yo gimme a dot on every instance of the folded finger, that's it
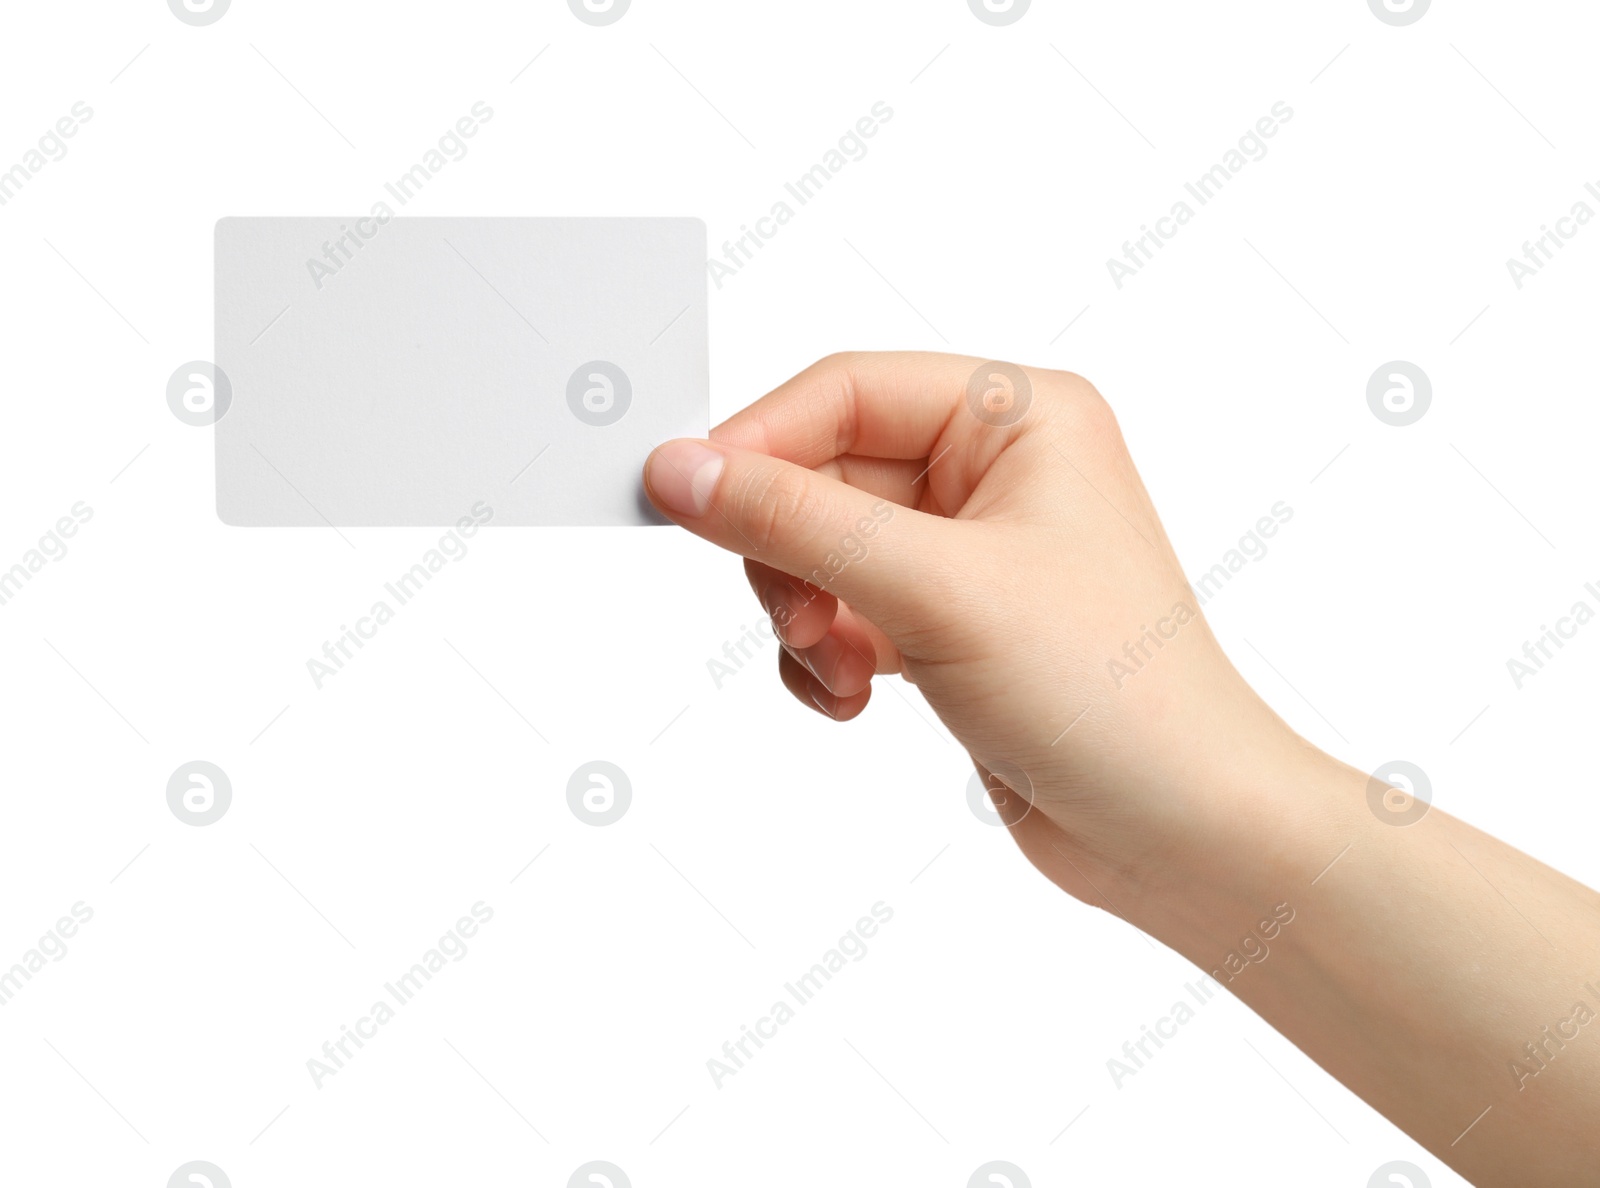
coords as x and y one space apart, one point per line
808 690
882 405
800 612
843 660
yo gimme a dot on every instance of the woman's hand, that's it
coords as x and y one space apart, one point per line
981 531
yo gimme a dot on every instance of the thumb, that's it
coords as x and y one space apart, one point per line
876 555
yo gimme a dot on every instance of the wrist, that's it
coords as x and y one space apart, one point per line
1247 846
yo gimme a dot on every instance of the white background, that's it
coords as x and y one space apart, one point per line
369 815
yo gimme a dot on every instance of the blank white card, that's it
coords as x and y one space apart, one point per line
404 372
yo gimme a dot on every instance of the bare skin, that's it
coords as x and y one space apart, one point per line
1007 561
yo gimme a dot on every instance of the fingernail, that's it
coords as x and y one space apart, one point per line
682 474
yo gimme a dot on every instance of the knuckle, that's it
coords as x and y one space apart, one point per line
780 508
839 368
1085 411
1073 390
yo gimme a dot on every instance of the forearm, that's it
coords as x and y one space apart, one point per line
1419 965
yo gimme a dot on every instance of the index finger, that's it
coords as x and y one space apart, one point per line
879 404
